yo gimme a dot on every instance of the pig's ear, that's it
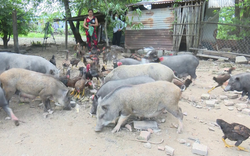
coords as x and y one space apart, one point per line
52 72
99 99
105 107
237 78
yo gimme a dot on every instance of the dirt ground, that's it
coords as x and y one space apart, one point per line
72 133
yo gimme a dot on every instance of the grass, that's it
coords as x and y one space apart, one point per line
33 35
39 35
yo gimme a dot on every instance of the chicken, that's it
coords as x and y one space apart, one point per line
53 60
222 79
68 82
80 86
74 61
91 71
104 71
180 84
65 79
234 132
79 50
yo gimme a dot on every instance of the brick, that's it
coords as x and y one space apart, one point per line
144 135
205 96
240 59
161 148
145 125
169 150
223 97
210 103
246 111
228 103
199 149
241 106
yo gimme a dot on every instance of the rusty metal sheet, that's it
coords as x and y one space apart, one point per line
220 3
161 18
157 2
158 38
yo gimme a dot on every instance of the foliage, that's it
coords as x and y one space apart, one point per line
36 44
236 28
6 24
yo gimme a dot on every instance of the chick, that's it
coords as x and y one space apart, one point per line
234 132
222 79
53 60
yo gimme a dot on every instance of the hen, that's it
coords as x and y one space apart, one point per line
222 79
74 61
234 132
80 87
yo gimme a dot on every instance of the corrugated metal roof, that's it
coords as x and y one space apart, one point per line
161 18
220 3
157 2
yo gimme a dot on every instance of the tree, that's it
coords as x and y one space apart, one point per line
80 7
23 19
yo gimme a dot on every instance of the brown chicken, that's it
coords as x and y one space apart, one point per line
234 132
222 79
69 82
80 87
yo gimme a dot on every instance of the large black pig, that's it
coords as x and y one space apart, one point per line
240 82
182 65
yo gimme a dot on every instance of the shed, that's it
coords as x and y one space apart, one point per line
168 25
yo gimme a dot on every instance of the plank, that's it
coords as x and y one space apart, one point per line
212 56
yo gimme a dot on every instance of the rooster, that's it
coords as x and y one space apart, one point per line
234 132
222 78
53 60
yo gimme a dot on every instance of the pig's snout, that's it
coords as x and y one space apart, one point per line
98 128
228 88
93 110
16 122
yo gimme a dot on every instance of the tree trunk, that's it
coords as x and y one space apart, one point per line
15 33
237 16
105 26
76 33
5 41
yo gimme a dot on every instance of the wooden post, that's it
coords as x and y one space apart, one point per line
66 34
15 33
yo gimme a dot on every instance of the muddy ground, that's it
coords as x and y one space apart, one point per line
72 133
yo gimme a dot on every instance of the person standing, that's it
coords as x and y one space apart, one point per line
90 23
117 30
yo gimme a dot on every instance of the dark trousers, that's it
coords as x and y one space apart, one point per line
117 38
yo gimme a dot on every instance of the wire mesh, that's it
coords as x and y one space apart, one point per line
225 37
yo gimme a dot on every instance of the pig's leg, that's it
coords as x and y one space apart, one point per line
243 94
177 112
9 91
9 111
47 105
248 99
121 120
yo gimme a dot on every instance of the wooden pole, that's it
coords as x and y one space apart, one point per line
66 34
15 33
